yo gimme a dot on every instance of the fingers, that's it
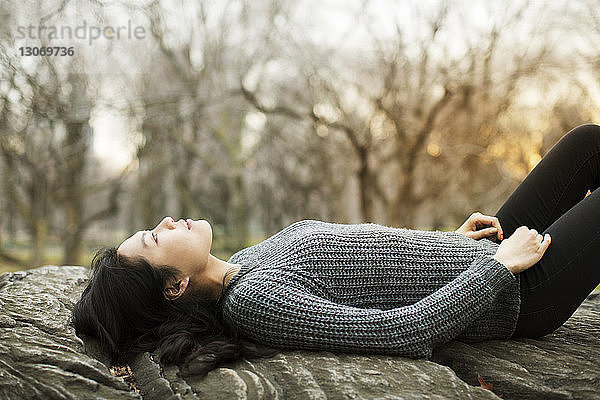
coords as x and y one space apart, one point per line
488 220
539 237
544 242
483 233
496 223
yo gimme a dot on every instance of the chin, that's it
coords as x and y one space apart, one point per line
206 231
206 225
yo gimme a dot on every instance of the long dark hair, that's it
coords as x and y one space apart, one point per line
124 307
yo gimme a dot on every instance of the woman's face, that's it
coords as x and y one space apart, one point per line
184 244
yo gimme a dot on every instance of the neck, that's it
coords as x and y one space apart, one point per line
211 278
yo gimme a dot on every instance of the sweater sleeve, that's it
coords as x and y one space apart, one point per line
285 315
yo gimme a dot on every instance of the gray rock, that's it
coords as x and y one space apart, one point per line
41 357
562 365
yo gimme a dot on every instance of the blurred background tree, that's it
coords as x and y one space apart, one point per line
255 114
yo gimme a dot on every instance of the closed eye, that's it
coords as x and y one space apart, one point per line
155 237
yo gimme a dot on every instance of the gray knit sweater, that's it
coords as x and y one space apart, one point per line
369 288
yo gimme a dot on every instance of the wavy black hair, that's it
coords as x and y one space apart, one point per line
124 307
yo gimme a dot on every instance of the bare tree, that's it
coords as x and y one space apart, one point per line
45 148
404 99
195 115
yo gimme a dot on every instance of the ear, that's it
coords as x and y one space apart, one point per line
176 288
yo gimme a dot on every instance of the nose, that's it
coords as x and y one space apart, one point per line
167 222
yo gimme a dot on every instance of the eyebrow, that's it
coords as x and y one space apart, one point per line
142 239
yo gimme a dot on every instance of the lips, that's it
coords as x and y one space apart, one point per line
189 224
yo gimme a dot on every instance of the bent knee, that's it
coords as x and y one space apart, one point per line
587 134
582 138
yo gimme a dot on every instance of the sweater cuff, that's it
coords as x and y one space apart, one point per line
494 274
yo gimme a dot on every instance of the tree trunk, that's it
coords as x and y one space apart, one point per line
40 233
364 182
239 210
73 205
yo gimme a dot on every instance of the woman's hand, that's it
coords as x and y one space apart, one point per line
480 226
522 249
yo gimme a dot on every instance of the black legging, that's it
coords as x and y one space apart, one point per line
551 199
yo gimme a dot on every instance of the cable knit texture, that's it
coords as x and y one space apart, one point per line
369 288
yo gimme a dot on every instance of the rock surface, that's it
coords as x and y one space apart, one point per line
41 357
